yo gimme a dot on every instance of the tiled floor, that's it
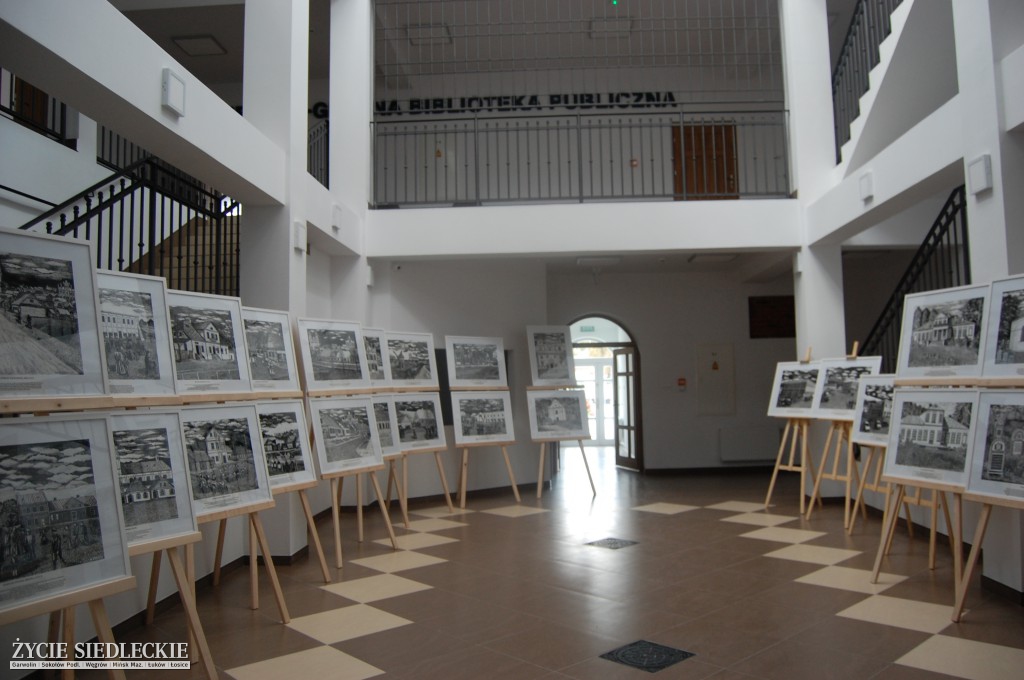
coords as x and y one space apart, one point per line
513 591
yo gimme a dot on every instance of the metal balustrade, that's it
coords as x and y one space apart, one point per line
33 108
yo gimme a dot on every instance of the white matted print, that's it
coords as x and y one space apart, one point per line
156 497
60 522
268 341
931 436
419 421
482 417
333 356
377 367
227 467
558 415
209 343
1004 341
550 355
345 435
793 389
286 442
387 424
136 333
873 412
49 320
943 332
997 466
836 395
411 356
475 362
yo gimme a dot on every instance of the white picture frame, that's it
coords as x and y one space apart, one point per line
873 413
412 360
1004 341
49 311
387 424
333 354
227 466
155 493
345 435
59 513
558 415
420 425
997 466
482 417
285 437
835 395
378 369
136 331
793 389
929 440
475 361
551 361
943 333
208 343
271 352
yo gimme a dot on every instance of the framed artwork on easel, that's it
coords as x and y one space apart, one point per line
411 359
49 317
333 355
931 436
209 343
286 442
268 341
835 395
482 417
419 421
136 333
345 435
997 466
60 521
387 423
793 389
475 362
943 333
551 361
378 367
558 415
1004 341
873 412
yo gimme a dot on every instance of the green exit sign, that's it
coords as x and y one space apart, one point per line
586 329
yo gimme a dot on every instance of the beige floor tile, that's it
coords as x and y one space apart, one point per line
398 561
319 662
515 511
760 519
375 588
856 580
736 506
665 508
417 541
815 554
346 623
965 659
434 524
894 611
783 535
441 512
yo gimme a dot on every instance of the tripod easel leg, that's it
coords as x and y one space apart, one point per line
103 631
268 562
188 602
892 512
219 553
583 452
464 478
444 481
254 572
972 559
778 464
511 477
540 468
359 506
384 510
154 581
336 516
313 535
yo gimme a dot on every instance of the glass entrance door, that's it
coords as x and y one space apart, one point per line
594 375
628 443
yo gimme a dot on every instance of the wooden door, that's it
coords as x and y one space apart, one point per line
31 104
628 434
704 162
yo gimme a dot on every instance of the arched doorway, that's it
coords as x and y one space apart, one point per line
608 368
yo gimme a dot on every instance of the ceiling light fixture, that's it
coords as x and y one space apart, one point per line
199 45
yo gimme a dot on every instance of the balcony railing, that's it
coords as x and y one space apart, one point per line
663 156
33 108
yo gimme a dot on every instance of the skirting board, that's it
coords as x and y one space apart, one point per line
753 443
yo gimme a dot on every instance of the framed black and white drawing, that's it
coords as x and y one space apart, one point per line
136 333
379 370
475 362
156 497
209 343
411 357
1004 341
931 436
268 341
227 466
333 354
387 424
286 442
49 318
420 426
835 395
482 417
551 360
997 466
558 414
942 333
793 389
873 412
61 526
345 435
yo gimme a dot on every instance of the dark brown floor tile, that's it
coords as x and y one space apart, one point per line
897 672
885 643
810 598
553 646
472 664
687 669
791 660
717 645
400 648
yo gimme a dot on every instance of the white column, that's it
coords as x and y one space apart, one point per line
351 103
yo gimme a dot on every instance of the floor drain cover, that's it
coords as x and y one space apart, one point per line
647 656
612 543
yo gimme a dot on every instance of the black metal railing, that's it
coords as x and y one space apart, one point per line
34 108
869 26
146 218
317 147
942 261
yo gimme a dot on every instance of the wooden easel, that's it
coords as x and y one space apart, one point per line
337 480
300 490
543 454
796 433
401 484
464 474
987 503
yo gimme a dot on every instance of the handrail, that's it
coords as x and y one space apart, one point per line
29 196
